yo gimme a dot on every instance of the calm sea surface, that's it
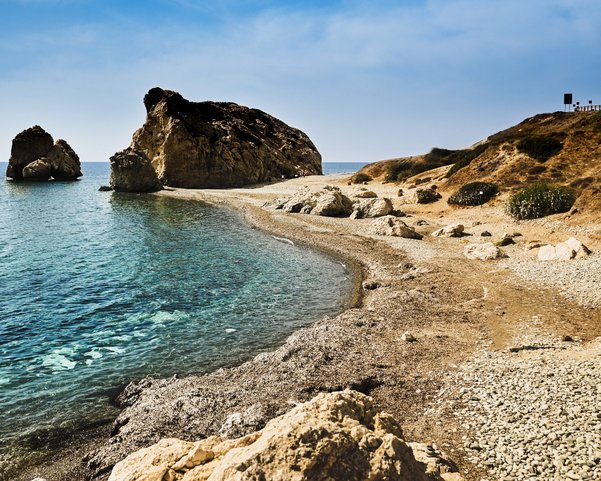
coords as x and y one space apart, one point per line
97 288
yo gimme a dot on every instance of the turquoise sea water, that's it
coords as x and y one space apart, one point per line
98 288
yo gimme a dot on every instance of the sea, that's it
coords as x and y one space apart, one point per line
99 288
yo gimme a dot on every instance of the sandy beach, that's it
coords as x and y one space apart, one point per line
464 314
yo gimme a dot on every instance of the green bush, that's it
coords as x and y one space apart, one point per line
474 193
539 200
426 196
539 147
465 158
360 177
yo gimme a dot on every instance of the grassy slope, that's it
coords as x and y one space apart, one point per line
578 164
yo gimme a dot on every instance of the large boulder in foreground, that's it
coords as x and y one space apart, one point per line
337 436
219 144
131 171
35 156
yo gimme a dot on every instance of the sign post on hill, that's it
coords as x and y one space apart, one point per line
567 102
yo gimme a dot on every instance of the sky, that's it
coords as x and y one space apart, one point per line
366 80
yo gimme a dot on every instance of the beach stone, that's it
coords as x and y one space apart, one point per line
485 233
329 201
336 436
219 144
369 208
564 252
484 252
578 247
392 226
37 170
131 171
408 337
547 253
453 230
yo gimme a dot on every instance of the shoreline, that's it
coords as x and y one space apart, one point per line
439 299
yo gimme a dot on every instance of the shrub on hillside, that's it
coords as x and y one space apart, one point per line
360 177
539 147
539 200
426 196
474 193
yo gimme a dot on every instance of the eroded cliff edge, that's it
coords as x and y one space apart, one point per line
213 145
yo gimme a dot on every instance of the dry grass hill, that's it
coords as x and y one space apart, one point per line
560 148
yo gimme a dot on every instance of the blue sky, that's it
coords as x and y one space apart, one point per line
367 80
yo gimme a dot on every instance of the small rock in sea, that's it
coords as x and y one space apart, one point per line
105 188
485 233
408 337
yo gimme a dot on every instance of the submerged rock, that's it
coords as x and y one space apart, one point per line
131 171
35 156
219 144
336 436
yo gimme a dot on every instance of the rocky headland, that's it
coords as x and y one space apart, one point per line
210 145
35 156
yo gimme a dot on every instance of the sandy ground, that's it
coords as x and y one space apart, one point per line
456 308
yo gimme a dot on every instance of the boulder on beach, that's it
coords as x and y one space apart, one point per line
390 225
484 252
370 207
131 171
35 156
329 201
336 436
219 144
452 230
563 251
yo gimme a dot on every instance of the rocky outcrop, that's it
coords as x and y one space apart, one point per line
392 226
337 436
131 171
219 144
35 156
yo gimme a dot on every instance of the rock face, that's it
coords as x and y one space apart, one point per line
336 436
35 156
219 144
131 171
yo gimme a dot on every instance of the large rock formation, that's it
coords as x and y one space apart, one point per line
219 144
35 156
338 436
